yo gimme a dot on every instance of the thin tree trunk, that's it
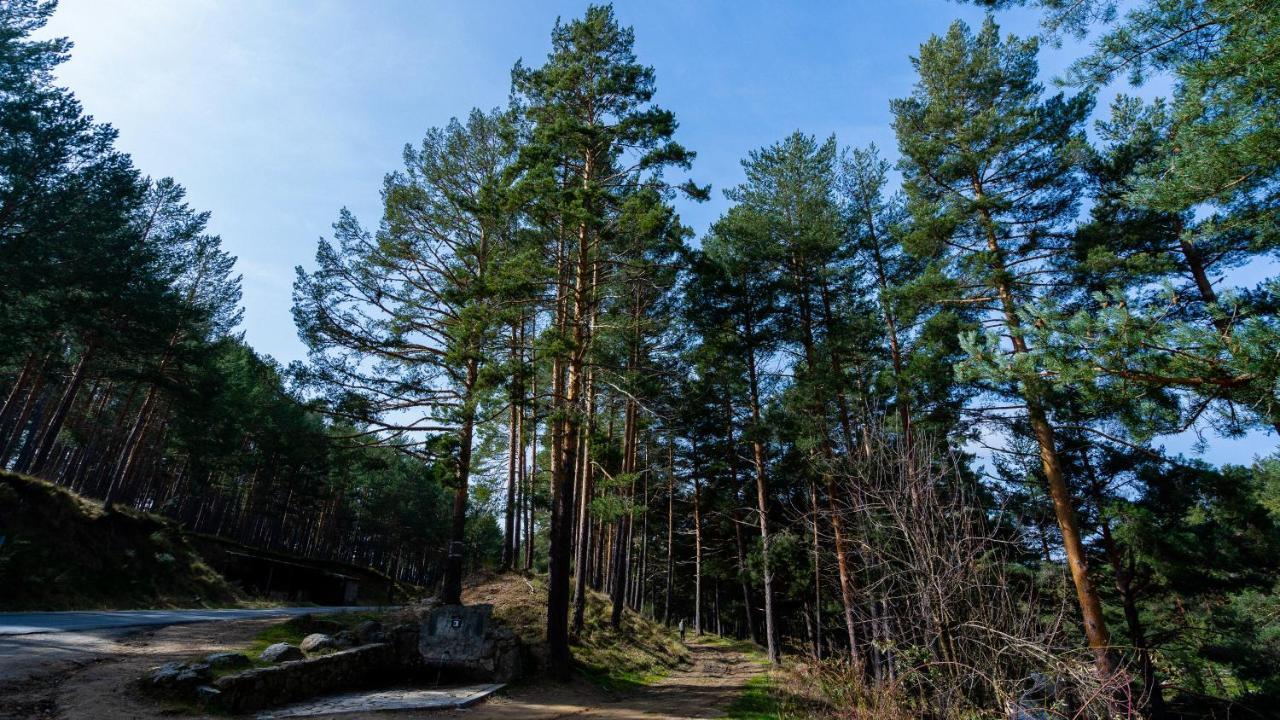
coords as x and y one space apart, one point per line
514 447
1123 579
622 547
642 580
531 490
50 434
11 402
697 548
582 563
762 503
671 530
817 572
742 577
129 455
20 422
737 521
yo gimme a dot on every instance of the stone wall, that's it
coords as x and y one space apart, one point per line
437 650
358 668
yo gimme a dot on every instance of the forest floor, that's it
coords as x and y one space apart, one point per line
716 676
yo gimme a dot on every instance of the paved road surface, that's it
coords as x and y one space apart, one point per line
35 644
26 623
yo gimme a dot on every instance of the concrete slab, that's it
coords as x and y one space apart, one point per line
386 700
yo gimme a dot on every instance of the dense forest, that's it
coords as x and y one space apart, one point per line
897 413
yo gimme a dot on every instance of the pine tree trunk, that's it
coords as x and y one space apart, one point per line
582 563
561 550
49 435
642 581
451 593
129 454
817 571
514 447
697 549
21 421
622 546
671 530
1095 625
521 467
531 490
762 504
12 400
742 577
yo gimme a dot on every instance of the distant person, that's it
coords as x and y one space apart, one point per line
681 629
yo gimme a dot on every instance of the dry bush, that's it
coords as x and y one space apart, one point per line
949 625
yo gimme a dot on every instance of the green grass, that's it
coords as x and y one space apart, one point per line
745 647
634 656
292 631
757 702
621 681
283 633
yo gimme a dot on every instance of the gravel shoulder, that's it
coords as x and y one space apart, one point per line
85 676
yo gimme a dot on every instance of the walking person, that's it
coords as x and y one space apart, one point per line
681 629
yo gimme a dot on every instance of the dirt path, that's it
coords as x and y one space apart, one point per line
703 689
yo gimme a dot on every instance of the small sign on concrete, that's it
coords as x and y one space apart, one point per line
463 639
455 634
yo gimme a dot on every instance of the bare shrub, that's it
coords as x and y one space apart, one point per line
949 624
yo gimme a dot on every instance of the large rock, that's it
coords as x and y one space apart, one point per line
281 652
178 677
223 660
369 631
316 642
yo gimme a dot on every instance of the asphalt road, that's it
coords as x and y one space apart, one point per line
37 643
27 623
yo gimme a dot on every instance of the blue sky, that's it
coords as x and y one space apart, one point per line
276 113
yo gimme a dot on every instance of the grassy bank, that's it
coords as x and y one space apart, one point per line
59 551
639 653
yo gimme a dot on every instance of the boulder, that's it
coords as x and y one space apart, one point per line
223 660
178 677
369 631
346 639
281 652
317 641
